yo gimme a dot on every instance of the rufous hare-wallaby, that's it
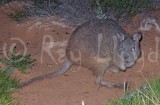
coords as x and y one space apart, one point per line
100 45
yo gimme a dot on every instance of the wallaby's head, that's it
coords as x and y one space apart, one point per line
130 49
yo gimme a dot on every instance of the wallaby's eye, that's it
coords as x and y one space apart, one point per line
133 49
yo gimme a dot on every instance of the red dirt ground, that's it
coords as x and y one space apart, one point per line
75 86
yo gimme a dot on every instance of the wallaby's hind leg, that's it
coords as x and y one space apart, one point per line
99 80
67 64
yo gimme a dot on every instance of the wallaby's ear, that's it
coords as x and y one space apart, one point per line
137 36
120 36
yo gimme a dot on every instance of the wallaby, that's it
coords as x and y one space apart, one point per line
101 45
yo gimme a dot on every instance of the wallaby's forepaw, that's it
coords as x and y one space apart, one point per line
113 69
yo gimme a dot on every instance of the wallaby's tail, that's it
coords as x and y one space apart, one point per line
67 64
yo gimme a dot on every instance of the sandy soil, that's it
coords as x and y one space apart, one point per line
74 86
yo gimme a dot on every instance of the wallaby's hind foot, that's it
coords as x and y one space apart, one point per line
99 80
67 64
108 84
